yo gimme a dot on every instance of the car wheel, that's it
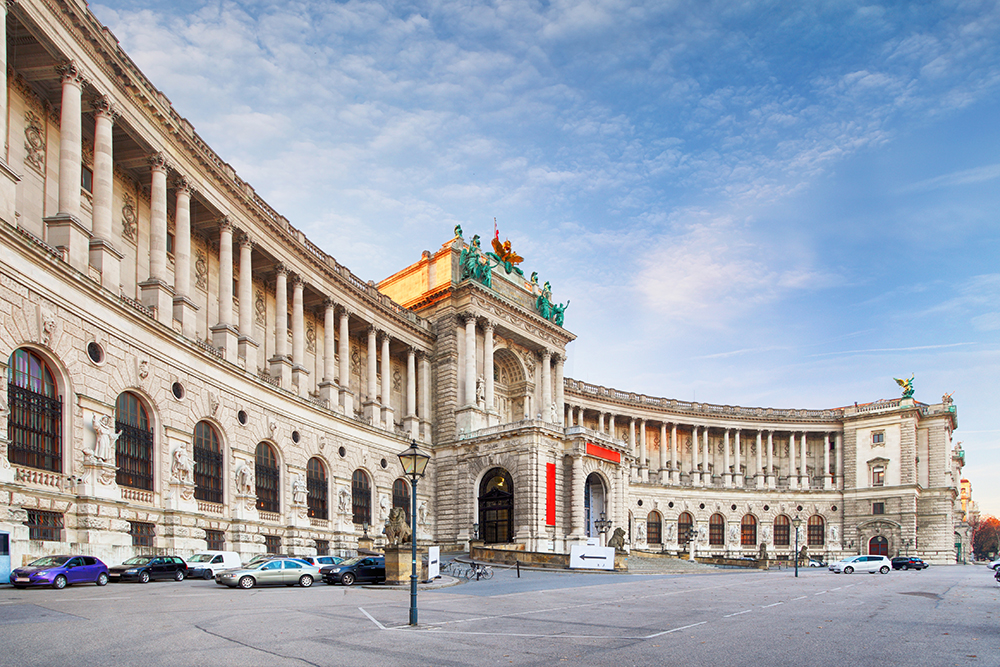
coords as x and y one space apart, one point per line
144 577
208 574
179 575
102 579
848 570
246 582
59 582
347 579
884 569
305 581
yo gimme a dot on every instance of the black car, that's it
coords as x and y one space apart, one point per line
908 563
359 568
144 568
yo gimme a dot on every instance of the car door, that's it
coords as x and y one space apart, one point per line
292 571
76 572
157 568
271 573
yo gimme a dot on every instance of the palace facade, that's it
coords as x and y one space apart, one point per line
185 370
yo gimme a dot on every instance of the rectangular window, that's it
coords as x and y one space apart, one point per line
272 543
87 178
878 437
878 508
215 540
142 533
322 547
46 526
170 243
878 476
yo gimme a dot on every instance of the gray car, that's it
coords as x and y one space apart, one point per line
287 571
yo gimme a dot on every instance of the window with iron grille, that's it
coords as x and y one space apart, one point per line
815 537
361 494
782 531
46 526
266 470
878 508
748 531
322 547
685 522
34 424
134 449
142 533
272 543
207 464
401 497
717 530
215 540
653 523
317 488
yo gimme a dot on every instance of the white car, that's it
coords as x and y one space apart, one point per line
994 564
870 564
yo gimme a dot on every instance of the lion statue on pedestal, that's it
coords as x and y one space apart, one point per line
617 541
396 529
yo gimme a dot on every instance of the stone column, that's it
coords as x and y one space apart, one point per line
156 294
706 478
224 334
65 230
300 374
738 457
8 178
410 421
803 464
579 481
771 482
491 415
675 468
281 367
558 388
344 376
632 447
600 422
546 410
695 470
643 453
247 343
373 412
103 255
827 482
793 473
664 470
425 395
839 445
727 475
184 308
759 471
327 387
388 417
611 426
470 360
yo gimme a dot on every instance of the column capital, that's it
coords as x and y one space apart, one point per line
488 325
468 317
281 269
158 162
384 336
297 280
103 107
546 354
184 186
373 330
329 304
557 358
411 351
245 241
345 311
226 225
71 73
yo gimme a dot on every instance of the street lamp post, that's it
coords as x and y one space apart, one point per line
796 522
414 464
603 525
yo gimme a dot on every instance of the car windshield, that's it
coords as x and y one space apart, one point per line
201 558
49 561
138 560
353 561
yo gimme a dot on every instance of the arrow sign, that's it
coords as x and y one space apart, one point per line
593 557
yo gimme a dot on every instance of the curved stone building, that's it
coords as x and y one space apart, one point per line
185 370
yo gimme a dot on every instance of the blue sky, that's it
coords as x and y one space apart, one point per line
750 203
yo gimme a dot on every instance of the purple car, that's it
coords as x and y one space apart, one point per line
58 571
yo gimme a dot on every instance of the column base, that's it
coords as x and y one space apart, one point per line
727 479
159 298
372 412
329 393
738 481
412 426
247 351
69 235
469 419
347 401
827 483
281 368
425 430
804 483
388 418
108 261
99 480
793 483
761 481
644 474
180 497
184 313
8 193
772 482
225 337
664 476
300 380
675 477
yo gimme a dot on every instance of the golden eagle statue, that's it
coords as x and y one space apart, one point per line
907 386
503 250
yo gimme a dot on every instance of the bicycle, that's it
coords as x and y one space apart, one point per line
478 572
453 568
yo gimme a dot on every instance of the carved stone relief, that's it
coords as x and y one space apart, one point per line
311 337
201 270
258 306
130 219
34 140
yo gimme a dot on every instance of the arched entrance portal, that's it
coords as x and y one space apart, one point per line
510 387
593 502
878 546
496 507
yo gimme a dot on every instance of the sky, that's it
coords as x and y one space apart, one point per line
758 203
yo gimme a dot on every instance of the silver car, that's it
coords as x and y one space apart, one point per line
870 564
287 571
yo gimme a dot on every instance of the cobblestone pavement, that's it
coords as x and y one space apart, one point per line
938 617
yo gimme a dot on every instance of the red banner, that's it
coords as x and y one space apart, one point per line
603 453
550 494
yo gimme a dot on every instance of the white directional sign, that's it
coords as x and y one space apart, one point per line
433 562
594 558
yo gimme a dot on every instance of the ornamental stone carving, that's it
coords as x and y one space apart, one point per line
201 270
259 307
130 219
34 140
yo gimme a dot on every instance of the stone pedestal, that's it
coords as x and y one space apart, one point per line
397 565
347 401
300 380
248 352
99 480
644 474
664 476
6 471
772 482
67 233
760 481
621 561
158 297
372 411
827 483
8 194
411 424
225 337
804 483
185 313
727 479
738 481
675 477
180 497
469 419
365 544
106 259
329 393
245 508
388 418
281 368
298 515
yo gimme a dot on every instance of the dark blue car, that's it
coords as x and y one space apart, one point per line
60 571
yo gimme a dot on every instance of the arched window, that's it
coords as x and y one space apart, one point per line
817 530
134 449
878 546
34 425
782 531
361 493
317 488
207 464
401 496
496 507
266 473
748 531
717 530
653 523
685 522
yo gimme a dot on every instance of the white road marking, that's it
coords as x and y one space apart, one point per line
667 632
772 605
820 593
745 611
372 619
801 597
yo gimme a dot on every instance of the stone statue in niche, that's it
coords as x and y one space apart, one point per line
181 467
640 532
344 500
299 491
383 507
106 439
422 513
734 534
244 480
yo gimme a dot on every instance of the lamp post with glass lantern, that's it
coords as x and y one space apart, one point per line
414 463
603 525
796 522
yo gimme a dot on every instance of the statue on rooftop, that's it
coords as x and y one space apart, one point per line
907 386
